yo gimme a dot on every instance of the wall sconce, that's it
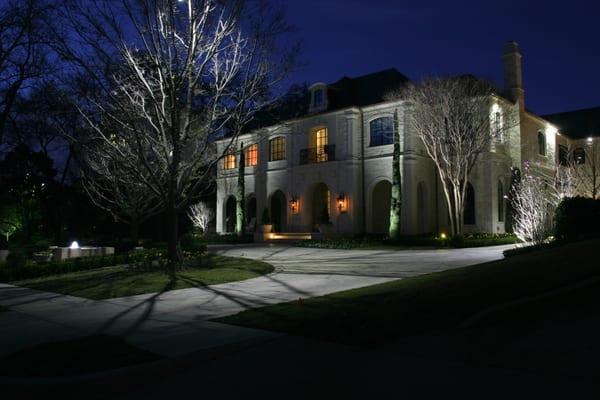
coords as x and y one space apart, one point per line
342 204
294 205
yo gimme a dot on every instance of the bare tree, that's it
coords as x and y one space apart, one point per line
583 162
396 203
452 119
534 199
201 215
24 37
189 71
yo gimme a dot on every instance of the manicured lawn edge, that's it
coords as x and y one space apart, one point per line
121 281
438 301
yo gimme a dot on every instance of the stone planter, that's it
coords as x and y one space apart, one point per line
3 255
266 228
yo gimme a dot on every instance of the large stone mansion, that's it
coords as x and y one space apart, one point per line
337 160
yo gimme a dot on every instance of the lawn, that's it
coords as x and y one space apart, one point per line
119 281
380 313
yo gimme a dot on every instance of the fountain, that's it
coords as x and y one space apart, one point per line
74 251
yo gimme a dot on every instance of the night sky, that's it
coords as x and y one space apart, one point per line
558 40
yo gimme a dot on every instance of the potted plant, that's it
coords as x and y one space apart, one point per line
325 221
3 250
266 226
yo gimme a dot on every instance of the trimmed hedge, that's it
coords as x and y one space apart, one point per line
577 218
146 259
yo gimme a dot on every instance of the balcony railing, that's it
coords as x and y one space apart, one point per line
317 154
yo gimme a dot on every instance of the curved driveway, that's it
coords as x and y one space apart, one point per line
381 263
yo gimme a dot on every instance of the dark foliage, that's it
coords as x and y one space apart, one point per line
577 218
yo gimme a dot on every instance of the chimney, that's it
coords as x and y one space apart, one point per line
513 75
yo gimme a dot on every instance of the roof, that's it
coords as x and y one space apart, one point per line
578 124
364 90
345 93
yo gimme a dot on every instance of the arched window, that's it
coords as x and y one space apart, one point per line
500 202
229 161
579 155
541 138
497 122
251 155
277 149
381 131
469 214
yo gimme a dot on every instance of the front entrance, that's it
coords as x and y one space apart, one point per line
321 205
278 211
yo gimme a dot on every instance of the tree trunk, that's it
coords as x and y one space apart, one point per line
396 201
134 229
240 223
173 238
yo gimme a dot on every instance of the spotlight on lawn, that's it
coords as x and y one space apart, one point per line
443 236
74 245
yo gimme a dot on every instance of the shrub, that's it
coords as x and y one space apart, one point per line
191 242
577 218
16 259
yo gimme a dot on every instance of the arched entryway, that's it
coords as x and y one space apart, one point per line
469 205
421 208
380 207
278 211
251 220
230 214
320 205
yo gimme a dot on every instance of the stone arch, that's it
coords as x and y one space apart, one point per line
381 199
251 213
469 205
230 214
422 208
278 210
319 204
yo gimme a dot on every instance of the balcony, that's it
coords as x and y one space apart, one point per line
317 154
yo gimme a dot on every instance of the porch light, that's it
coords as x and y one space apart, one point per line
342 203
294 205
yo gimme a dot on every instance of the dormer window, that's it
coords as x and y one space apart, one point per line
318 97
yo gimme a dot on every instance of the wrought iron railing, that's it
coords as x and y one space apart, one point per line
317 154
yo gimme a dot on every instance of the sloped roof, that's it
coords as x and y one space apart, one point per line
364 90
578 124
347 92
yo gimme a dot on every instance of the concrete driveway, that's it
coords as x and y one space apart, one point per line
383 263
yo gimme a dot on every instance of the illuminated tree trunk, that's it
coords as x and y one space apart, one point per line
240 224
396 203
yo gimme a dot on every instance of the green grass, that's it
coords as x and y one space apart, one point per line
380 313
72 357
119 281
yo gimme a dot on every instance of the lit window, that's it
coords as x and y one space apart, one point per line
541 138
321 140
277 149
497 124
579 155
251 155
229 161
382 131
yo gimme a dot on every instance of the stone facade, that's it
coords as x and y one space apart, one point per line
354 177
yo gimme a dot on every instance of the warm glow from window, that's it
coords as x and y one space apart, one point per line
229 161
321 141
251 155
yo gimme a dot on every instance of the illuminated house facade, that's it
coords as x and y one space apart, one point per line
335 161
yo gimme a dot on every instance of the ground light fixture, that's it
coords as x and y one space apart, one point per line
74 245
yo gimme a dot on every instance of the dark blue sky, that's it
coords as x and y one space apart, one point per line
559 41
